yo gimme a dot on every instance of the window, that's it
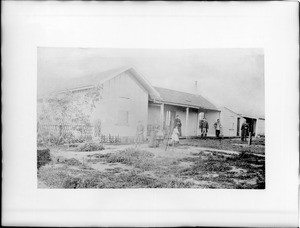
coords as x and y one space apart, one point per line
123 117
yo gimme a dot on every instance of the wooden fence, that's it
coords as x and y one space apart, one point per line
78 131
82 130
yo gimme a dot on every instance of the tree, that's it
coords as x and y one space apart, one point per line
70 107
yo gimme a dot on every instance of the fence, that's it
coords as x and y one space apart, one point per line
78 130
76 133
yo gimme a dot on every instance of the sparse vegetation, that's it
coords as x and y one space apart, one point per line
136 168
90 146
258 145
63 177
137 158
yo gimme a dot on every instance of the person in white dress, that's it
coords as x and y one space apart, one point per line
175 136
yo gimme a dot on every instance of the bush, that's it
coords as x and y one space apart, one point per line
90 182
90 147
43 157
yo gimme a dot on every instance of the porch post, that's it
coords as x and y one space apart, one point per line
186 122
162 107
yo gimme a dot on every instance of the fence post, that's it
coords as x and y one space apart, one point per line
250 139
60 130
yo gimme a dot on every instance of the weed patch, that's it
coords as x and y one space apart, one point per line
137 158
90 146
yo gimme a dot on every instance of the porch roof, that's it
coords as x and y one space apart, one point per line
252 117
185 99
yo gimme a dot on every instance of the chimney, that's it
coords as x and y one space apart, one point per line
196 90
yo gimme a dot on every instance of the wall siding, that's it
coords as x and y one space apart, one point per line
153 114
122 93
229 122
211 117
260 127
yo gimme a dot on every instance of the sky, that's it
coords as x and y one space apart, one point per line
233 78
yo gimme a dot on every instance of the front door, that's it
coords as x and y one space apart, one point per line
170 117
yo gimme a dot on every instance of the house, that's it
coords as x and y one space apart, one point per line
231 122
127 97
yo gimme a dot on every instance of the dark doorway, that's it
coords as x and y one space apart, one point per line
252 125
238 127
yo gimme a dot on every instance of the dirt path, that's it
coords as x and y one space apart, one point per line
178 152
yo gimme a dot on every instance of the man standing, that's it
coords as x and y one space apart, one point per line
203 127
177 123
245 131
218 127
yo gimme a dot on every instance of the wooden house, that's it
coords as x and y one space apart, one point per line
127 98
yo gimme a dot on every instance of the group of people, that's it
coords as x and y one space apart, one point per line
203 126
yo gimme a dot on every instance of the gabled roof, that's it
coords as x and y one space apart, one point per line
155 93
185 99
246 115
233 111
90 81
252 116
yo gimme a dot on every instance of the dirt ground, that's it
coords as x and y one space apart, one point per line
195 163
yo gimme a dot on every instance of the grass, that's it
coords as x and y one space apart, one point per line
257 145
63 174
198 170
138 158
220 169
61 177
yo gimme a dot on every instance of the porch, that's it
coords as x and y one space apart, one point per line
162 116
